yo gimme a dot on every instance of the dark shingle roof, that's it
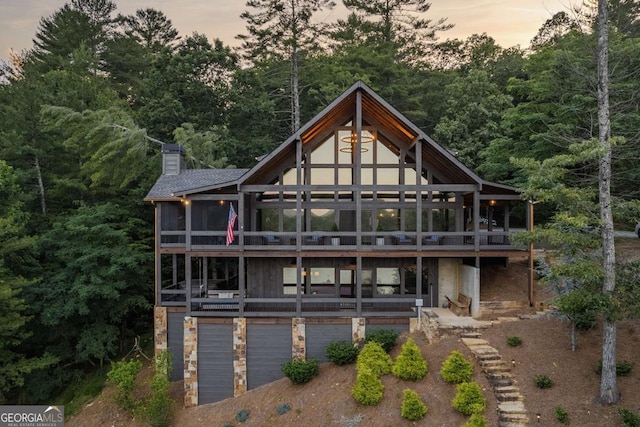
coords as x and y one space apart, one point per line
168 185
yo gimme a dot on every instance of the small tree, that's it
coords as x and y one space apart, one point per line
456 369
368 389
413 408
410 365
373 357
469 399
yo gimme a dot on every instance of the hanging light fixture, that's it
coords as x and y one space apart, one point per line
351 141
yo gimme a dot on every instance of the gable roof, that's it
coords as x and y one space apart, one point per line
170 187
391 125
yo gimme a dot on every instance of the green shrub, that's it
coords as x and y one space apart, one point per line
368 389
469 399
123 376
413 408
157 408
385 337
410 365
456 369
476 420
227 425
514 341
561 415
242 415
283 409
300 371
623 369
342 352
543 381
373 357
629 419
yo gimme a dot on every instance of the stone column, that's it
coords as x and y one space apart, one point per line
190 361
414 325
160 336
358 329
239 356
299 336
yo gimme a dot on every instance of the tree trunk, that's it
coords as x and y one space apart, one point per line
608 387
295 94
43 201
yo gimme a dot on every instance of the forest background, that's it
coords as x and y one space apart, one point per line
84 113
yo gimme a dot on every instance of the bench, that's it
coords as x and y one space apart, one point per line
461 306
222 300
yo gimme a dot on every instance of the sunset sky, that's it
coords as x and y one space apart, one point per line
509 22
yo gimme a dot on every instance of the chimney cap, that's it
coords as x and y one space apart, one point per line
172 148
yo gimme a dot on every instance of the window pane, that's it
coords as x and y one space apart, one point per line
173 215
290 216
388 281
322 219
269 219
323 281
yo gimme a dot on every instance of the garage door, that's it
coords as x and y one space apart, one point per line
175 332
268 347
318 336
215 362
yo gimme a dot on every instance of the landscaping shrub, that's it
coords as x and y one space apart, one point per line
629 419
373 357
283 409
476 420
300 371
242 415
469 399
561 415
413 408
368 389
456 369
385 337
157 408
623 369
543 381
342 352
123 376
410 365
514 341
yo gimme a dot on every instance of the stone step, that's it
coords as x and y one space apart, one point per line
502 367
473 342
509 397
498 375
512 424
512 407
470 334
513 418
507 389
486 353
502 382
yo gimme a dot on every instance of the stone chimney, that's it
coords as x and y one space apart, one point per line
172 159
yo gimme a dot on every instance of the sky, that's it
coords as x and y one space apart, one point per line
509 22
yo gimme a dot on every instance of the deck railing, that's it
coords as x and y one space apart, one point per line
324 240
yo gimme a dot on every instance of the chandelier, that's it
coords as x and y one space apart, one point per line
351 141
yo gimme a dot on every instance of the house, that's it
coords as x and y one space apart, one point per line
351 224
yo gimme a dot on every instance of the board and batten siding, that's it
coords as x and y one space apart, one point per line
215 362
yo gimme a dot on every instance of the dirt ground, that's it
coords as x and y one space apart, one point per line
327 401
